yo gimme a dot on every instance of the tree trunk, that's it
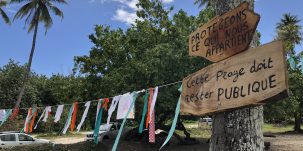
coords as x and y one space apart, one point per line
241 129
297 127
28 68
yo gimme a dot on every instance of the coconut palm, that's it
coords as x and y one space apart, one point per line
34 12
2 13
289 30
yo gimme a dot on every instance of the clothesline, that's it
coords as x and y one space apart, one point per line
83 102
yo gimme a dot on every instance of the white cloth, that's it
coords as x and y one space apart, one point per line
58 113
42 115
152 106
87 104
123 106
112 108
27 119
48 110
2 114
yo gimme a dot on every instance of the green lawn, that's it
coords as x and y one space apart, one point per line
273 128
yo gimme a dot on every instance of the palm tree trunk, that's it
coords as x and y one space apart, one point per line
240 129
28 68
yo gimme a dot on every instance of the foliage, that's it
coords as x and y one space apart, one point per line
289 30
289 109
152 52
2 13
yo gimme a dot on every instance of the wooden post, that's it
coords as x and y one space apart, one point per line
240 129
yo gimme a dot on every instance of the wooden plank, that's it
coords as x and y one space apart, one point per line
226 35
250 78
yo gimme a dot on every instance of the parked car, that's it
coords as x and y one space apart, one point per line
205 121
105 132
10 139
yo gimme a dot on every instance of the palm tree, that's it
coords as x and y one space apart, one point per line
35 11
2 13
289 31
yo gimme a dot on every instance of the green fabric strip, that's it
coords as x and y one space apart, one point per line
98 123
135 95
67 123
144 112
6 116
173 127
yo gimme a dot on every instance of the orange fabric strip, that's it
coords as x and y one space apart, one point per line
15 113
148 108
32 122
72 127
27 119
105 104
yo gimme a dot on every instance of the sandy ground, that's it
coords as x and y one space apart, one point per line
282 142
286 142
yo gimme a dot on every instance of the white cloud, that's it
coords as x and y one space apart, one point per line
125 16
126 11
167 1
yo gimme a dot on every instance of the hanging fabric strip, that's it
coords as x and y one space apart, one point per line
42 115
151 131
72 127
98 108
6 116
144 111
123 106
2 114
14 114
173 126
153 103
35 112
48 110
58 113
292 62
301 61
148 108
105 104
134 96
112 108
67 123
87 105
97 125
26 126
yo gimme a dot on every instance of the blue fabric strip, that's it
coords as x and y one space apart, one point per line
98 123
135 95
6 116
173 127
144 111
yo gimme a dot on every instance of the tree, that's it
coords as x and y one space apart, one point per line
152 52
240 129
289 30
2 13
35 11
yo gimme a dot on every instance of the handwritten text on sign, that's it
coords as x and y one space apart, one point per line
249 78
225 35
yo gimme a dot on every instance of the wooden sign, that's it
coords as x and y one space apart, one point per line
252 77
225 35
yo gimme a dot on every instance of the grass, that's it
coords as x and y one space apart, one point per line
274 128
55 135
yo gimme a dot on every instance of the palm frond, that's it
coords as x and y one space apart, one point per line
57 11
4 16
24 10
45 17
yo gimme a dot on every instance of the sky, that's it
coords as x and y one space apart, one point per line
68 37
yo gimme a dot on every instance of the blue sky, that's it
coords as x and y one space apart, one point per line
69 37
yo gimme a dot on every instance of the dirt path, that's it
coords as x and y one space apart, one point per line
286 142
